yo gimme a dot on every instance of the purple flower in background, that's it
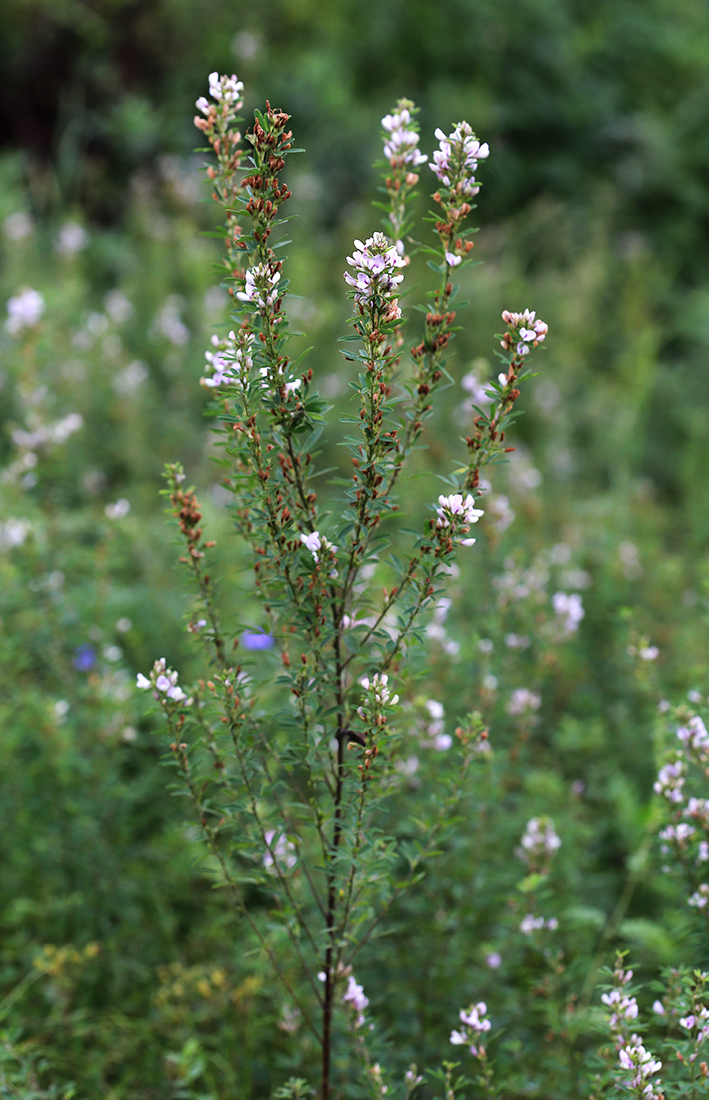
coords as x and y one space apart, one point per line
257 639
84 658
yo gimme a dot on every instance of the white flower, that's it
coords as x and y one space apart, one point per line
634 1057
354 996
539 840
13 532
260 286
282 852
521 701
72 238
530 924
118 510
623 1007
679 833
456 159
475 1024
670 781
401 145
18 225
529 329
695 735
700 897
24 310
568 608
454 511
472 386
312 542
375 263
452 260
163 680
225 89
230 361
378 685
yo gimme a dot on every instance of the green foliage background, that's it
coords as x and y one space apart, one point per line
595 212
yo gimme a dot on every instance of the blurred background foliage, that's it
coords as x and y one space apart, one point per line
120 969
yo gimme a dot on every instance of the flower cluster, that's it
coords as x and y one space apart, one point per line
694 735
539 843
230 360
523 701
698 1021
640 1063
280 853
568 608
458 512
226 90
677 834
456 160
623 1008
401 145
24 310
700 897
527 330
375 263
315 542
531 924
379 688
163 682
355 998
435 737
670 780
260 286
475 1024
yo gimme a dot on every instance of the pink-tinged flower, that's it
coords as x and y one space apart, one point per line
281 853
637 1060
315 542
700 897
475 1024
523 701
260 286
163 681
457 513
456 159
452 260
568 607
529 329
401 146
230 361
695 735
678 833
623 1008
312 542
24 310
375 263
670 780
539 841
354 996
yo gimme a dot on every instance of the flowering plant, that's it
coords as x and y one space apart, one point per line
290 764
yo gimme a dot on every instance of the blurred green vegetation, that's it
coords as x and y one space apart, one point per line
595 212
